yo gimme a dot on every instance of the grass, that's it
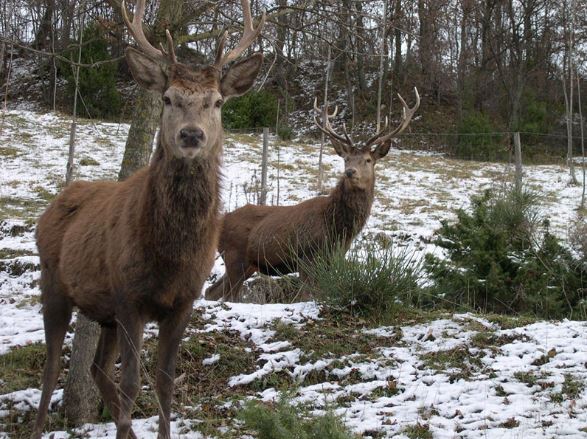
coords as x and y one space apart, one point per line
21 208
21 367
9 152
572 388
418 431
488 340
88 161
458 362
332 337
528 378
11 253
510 322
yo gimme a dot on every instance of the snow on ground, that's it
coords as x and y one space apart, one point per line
526 382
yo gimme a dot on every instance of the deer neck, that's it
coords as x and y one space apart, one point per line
350 208
181 201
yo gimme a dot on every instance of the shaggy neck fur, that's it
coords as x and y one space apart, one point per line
349 207
181 204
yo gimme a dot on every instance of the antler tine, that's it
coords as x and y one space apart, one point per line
407 114
375 136
346 135
170 52
327 128
135 27
249 35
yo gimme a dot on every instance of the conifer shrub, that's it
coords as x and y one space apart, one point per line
256 109
477 139
285 132
371 280
502 258
97 85
284 421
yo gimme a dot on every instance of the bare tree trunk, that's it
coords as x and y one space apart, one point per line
80 395
570 99
518 158
139 143
278 155
381 58
582 139
320 166
263 198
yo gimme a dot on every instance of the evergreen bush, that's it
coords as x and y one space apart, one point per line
476 140
97 85
501 258
285 132
370 281
256 109
283 421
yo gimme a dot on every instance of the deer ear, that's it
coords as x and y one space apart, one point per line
147 72
240 76
382 150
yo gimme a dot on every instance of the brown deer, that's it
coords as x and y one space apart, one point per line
130 252
270 239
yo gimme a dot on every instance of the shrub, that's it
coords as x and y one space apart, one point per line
97 85
502 258
284 421
369 281
285 132
476 140
256 109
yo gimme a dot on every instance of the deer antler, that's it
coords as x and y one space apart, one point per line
136 29
249 35
407 114
325 126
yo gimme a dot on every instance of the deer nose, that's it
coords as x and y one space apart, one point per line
350 172
191 136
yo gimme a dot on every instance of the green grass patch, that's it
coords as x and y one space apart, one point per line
21 367
11 253
88 161
510 322
9 152
418 431
18 208
458 363
332 337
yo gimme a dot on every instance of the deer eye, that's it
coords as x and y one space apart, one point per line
369 160
166 100
219 103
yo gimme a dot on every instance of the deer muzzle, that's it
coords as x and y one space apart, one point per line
191 137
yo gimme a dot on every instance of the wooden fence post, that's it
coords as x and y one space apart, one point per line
518 159
263 195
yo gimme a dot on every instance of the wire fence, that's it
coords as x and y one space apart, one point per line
537 148
495 146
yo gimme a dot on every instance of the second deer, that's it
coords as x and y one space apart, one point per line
271 239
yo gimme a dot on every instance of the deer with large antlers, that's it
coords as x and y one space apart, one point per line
130 252
271 239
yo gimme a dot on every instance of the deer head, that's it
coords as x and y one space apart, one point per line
191 124
360 159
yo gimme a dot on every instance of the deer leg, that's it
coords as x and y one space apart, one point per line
229 285
130 340
170 332
56 317
102 368
235 283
